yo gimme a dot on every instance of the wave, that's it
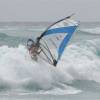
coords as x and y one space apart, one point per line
95 30
22 29
79 62
3 35
18 71
83 60
9 40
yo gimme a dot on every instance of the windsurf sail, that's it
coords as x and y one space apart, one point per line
55 38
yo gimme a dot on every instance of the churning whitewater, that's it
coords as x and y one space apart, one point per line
18 72
78 70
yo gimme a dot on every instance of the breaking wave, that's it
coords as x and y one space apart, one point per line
81 61
95 30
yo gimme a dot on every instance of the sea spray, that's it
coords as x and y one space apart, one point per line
19 71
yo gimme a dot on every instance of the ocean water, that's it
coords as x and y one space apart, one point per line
76 77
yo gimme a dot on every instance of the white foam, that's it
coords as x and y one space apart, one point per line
82 62
78 62
18 70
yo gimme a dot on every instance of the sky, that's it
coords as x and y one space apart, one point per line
49 10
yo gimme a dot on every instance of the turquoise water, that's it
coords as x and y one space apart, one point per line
77 76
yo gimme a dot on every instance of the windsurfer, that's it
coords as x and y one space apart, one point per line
35 50
53 41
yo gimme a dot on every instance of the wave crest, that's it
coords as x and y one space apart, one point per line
95 30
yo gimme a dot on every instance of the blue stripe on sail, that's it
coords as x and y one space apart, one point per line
68 29
64 43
